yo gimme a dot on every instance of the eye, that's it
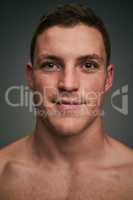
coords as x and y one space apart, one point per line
50 66
90 66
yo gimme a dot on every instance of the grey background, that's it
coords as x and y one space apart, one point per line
18 20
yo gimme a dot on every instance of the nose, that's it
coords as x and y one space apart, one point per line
69 80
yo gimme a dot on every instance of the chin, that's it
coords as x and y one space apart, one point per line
68 126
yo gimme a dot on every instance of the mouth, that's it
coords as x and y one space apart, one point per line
67 104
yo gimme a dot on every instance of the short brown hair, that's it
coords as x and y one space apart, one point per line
70 15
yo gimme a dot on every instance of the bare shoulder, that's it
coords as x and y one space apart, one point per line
120 155
15 169
13 153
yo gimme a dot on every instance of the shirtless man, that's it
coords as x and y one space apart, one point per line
69 155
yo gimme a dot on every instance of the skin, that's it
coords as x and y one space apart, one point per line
68 155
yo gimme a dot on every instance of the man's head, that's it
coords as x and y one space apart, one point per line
68 16
70 65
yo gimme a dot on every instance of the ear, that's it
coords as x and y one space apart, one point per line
109 77
30 75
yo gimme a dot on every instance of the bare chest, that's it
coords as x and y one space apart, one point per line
101 188
61 186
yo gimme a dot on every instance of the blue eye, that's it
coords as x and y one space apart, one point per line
49 66
90 66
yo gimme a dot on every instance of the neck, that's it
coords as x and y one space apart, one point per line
88 146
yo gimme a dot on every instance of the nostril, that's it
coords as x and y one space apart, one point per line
68 86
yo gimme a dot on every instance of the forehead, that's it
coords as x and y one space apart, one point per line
70 42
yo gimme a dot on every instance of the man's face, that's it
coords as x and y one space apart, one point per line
70 74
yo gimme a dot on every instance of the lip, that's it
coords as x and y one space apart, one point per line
65 104
68 101
68 106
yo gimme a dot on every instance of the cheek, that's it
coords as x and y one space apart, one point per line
93 87
42 81
94 82
46 86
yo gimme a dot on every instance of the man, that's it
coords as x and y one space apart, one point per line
69 155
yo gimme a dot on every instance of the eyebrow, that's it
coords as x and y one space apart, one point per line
91 57
50 57
80 58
